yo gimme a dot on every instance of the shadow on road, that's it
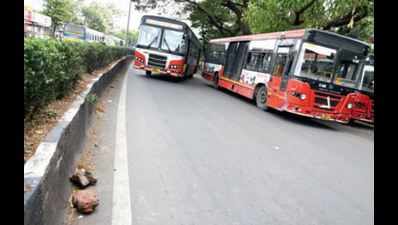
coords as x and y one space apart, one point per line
161 77
361 125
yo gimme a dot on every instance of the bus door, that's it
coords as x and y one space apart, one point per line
280 76
236 55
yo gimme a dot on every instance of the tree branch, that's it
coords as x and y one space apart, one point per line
243 27
212 19
298 13
344 20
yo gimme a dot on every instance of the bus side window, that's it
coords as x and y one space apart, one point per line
265 63
279 65
251 61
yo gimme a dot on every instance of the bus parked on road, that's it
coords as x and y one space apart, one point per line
363 109
166 46
307 72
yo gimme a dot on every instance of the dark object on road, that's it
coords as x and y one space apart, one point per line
82 178
85 201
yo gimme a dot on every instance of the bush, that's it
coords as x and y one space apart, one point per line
52 67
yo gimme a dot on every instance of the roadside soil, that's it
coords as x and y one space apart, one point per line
45 119
98 147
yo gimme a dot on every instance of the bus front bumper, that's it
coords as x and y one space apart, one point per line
158 70
322 115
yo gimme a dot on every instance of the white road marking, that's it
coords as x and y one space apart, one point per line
121 210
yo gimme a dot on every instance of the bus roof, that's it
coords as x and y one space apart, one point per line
299 33
263 36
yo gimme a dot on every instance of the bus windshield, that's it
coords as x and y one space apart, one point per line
367 78
149 36
316 62
329 65
172 41
348 69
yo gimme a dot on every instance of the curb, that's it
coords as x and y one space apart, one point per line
46 173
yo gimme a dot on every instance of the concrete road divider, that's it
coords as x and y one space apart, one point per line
46 174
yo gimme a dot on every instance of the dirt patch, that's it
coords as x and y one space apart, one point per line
86 160
43 121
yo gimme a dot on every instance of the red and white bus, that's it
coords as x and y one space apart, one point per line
166 46
307 72
363 106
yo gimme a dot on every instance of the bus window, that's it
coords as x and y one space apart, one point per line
251 62
368 80
149 36
280 63
265 63
348 72
258 61
173 41
215 54
317 62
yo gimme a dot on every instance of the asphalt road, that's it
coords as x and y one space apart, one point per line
197 155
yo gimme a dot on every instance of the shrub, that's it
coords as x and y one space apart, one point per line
52 67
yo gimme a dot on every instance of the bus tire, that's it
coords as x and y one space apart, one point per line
260 97
215 81
148 73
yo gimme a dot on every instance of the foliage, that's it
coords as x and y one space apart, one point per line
52 67
207 29
132 36
59 11
215 18
346 17
92 99
99 17
220 18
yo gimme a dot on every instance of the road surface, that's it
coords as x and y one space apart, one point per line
197 155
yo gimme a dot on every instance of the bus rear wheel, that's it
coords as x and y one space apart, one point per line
148 73
261 97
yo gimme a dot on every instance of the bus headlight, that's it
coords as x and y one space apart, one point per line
303 96
349 105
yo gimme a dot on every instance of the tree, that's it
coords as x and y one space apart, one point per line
214 17
99 17
220 18
59 11
353 18
77 17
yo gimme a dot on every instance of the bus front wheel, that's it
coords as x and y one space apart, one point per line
261 97
215 80
148 73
